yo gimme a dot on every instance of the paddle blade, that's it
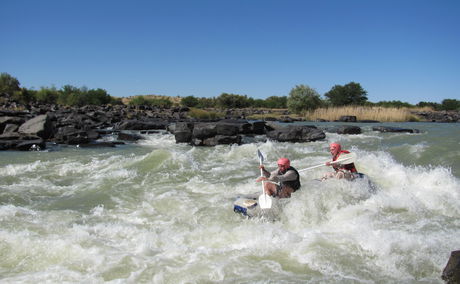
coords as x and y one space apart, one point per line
261 157
265 201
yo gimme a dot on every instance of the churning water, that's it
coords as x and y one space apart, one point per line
160 212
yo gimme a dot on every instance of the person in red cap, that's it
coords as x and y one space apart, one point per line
282 181
347 171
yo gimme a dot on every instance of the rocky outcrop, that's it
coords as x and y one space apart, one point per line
38 124
234 131
439 116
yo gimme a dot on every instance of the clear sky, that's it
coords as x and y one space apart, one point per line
407 50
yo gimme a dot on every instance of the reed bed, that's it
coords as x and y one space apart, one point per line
364 113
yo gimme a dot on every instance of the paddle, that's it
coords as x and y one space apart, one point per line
265 201
344 159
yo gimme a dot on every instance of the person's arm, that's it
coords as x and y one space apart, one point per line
288 176
265 172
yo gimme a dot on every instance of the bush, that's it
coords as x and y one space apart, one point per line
47 95
143 101
232 101
189 101
206 103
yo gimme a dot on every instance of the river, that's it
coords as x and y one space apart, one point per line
161 212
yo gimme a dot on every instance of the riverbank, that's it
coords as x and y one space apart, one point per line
25 127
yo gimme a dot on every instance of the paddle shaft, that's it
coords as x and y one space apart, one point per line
333 162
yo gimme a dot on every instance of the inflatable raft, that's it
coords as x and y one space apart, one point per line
248 206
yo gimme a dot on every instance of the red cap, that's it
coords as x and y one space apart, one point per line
284 161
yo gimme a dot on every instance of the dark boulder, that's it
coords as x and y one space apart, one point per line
349 130
204 130
10 120
228 127
347 118
183 132
31 145
296 134
71 135
394 129
129 136
40 125
218 140
451 273
99 144
21 142
345 129
140 125
10 128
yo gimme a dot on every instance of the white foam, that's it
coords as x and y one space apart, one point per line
162 213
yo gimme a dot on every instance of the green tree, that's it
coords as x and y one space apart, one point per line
302 98
24 96
97 97
67 94
276 102
8 84
164 103
350 94
450 104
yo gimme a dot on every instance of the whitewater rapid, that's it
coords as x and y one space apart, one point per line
161 212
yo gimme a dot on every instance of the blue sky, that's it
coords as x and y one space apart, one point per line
406 50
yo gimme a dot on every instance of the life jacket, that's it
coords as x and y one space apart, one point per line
294 184
348 167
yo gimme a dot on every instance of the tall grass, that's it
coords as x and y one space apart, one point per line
204 114
364 113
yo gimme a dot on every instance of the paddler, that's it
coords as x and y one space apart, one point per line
282 181
347 171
